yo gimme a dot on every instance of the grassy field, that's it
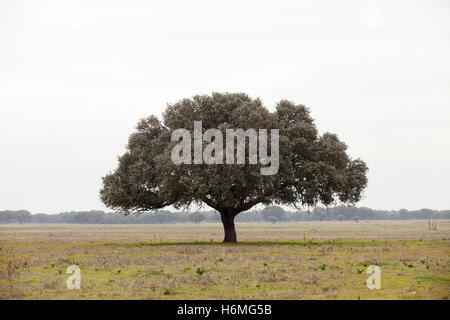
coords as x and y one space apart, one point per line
313 260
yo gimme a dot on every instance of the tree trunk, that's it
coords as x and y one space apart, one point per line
228 226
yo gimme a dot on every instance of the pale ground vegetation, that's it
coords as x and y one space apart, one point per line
306 260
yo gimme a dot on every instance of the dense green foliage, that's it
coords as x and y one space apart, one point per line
165 216
313 169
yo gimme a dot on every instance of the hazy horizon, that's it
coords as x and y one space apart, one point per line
76 76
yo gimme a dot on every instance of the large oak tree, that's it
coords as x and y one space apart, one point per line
313 168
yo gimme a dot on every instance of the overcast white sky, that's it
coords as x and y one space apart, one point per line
76 76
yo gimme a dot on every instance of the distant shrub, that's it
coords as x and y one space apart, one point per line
200 271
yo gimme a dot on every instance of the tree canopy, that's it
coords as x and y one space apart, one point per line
344 213
313 169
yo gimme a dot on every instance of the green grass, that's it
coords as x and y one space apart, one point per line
117 265
432 277
252 243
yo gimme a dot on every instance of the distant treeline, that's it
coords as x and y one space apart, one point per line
271 214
